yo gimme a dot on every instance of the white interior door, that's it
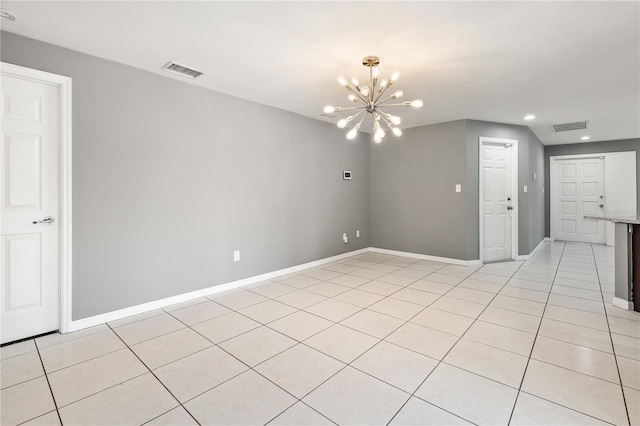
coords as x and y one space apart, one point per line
579 192
496 201
29 181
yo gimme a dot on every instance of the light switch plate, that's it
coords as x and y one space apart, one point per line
458 187
525 188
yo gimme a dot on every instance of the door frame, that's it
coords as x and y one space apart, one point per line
65 182
553 190
513 144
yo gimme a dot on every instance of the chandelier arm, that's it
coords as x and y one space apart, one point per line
395 105
355 107
383 90
386 100
358 94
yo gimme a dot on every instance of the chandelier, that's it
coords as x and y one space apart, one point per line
370 99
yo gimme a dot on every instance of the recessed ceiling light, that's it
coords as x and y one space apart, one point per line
585 138
529 117
6 15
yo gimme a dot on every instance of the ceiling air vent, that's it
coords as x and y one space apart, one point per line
182 70
565 127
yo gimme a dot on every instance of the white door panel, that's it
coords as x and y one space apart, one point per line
30 252
580 184
496 193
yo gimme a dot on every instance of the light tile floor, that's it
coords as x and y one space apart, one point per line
371 339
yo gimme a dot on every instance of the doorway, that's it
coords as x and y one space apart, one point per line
579 191
35 183
498 183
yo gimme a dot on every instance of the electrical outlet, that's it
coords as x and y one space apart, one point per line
358 233
344 237
236 256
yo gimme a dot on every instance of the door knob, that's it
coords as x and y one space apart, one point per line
509 208
601 205
47 220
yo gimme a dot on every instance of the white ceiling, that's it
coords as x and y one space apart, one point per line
494 61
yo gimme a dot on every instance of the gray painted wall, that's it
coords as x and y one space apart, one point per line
413 205
589 148
170 178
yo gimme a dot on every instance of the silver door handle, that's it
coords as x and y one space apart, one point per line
47 220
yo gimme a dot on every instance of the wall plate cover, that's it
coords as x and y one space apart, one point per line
346 175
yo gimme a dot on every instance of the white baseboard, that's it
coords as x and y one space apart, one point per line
627 305
535 250
157 304
427 257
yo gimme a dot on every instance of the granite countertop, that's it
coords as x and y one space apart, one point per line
634 220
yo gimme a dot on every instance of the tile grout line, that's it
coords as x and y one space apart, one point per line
533 345
154 375
613 348
55 403
413 394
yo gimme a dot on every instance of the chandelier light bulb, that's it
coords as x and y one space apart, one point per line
371 99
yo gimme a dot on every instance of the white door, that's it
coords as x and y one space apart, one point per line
29 181
496 200
579 192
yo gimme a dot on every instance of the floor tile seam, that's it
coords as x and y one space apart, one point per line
624 398
578 297
85 360
475 373
573 323
564 406
629 358
574 371
155 337
533 345
22 381
440 361
455 313
157 378
435 405
576 344
15 356
497 347
40 415
164 309
55 403
577 309
519 297
102 390
44 348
